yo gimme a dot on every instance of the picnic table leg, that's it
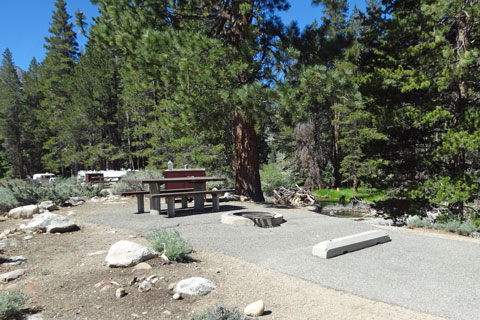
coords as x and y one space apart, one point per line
154 202
184 202
198 198
171 206
140 203
215 202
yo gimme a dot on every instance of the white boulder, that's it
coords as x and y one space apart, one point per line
255 309
48 206
126 253
25 212
52 223
195 286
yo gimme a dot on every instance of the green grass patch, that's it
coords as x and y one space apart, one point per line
346 194
177 248
11 304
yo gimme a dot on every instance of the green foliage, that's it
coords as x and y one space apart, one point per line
7 199
24 192
177 248
11 304
61 189
464 228
220 312
346 194
58 191
274 175
120 186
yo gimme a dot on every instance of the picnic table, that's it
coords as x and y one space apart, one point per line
156 192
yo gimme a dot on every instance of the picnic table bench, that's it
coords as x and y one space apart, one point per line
198 193
170 196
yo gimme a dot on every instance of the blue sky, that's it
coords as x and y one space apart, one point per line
24 23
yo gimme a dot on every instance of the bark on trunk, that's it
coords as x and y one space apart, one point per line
247 175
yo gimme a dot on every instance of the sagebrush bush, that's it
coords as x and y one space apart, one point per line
61 189
220 313
25 192
58 191
120 186
11 304
467 227
176 247
419 223
7 200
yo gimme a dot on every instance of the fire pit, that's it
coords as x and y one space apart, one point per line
263 219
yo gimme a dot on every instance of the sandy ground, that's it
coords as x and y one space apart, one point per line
63 280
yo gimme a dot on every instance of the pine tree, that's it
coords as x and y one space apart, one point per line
12 115
57 71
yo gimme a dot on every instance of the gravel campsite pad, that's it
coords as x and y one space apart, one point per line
66 278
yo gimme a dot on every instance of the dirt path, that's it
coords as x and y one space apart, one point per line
66 279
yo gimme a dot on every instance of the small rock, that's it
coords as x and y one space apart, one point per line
167 313
74 201
6 232
37 316
48 206
171 286
12 275
96 253
151 278
13 261
145 286
71 213
98 306
12 242
120 293
177 296
28 237
142 266
115 283
125 254
2 236
255 309
218 270
195 286
133 281
25 212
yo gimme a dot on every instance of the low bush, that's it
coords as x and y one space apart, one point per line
60 190
120 186
170 243
7 200
25 192
274 175
346 194
464 228
220 313
419 223
11 304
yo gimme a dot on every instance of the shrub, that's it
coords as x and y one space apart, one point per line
452 226
274 175
419 223
176 247
467 227
7 200
60 190
120 186
220 313
11 304
25 192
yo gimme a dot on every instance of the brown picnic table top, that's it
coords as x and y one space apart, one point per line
182 179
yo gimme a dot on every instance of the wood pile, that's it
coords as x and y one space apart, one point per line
298 197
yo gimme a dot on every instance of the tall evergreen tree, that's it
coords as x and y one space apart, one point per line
57 70
12 115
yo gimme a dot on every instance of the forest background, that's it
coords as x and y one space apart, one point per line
387 98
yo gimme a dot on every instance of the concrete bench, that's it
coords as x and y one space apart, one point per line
170 196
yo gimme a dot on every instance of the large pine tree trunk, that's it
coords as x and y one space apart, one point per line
247 175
